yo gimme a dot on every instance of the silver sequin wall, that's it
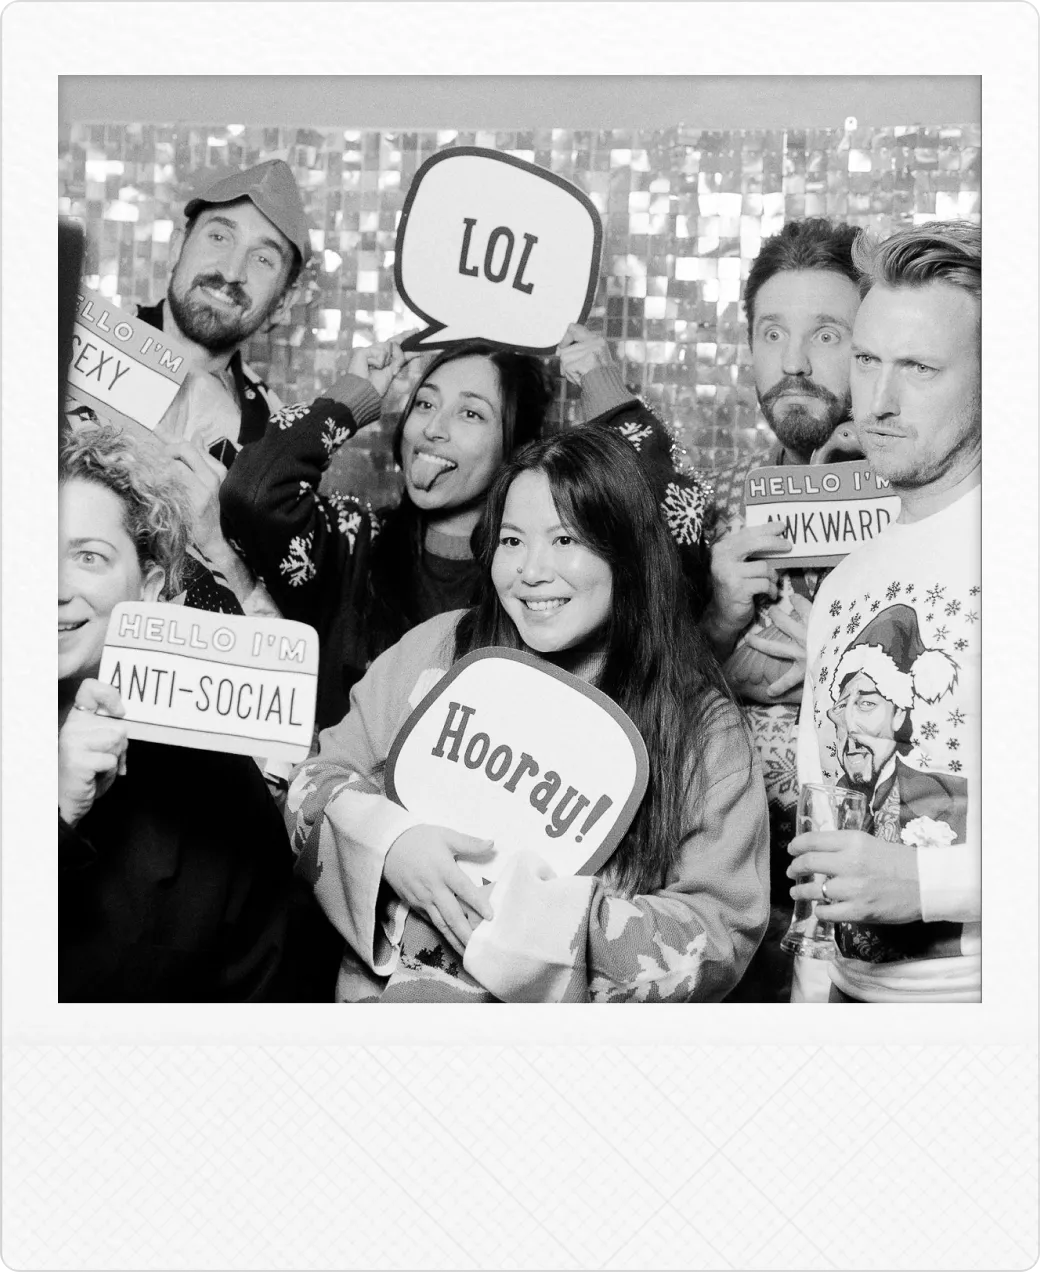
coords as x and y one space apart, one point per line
684 214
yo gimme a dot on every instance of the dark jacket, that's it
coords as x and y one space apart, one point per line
175 887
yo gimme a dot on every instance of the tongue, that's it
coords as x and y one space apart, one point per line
425 471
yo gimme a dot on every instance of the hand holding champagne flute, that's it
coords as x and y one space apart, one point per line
820 807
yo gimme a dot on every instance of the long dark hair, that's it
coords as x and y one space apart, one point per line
525 391
658 668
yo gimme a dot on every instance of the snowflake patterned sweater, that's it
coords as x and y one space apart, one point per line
314 551
552 939
891 707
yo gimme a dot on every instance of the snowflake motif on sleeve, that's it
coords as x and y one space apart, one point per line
875 606
893 591
684 511
836 633
960 645
288 415
941 633
374 522
953 608
956 717
955 766
953 744
928 617
852 624
971 617
333 434
635 434
974 591
924 760
835 609
298 567
934 596
348 517
929 730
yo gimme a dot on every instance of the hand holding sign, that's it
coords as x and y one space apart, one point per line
422 869
739 577
491 246
91 749
380 363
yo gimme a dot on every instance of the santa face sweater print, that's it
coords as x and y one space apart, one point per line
891 708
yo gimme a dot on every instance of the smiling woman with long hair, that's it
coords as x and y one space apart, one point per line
578 569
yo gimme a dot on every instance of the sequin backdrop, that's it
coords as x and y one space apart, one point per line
684 214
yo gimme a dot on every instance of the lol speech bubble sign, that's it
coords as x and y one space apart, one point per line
509 748
495 247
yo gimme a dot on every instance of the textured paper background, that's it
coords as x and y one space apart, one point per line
179 1137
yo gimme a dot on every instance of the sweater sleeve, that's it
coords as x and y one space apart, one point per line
686 497
575 939
342 825
301 543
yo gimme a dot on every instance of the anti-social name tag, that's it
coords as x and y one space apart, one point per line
217 682
509 748
827 509
492 246
122 368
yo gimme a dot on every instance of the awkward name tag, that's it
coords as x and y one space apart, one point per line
122 368
217 682
508 748
828 509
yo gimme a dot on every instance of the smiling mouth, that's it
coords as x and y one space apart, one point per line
221 297
547 606
63 628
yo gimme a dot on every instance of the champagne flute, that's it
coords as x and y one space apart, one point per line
820 808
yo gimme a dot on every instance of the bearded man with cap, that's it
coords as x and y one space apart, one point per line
234 265
892 690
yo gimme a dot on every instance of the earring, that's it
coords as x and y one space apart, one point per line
519 569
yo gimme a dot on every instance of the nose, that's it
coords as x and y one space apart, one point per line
435 426
65 588
537 565
233 266
884 400
795 357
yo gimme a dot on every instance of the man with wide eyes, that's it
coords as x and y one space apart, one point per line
801 299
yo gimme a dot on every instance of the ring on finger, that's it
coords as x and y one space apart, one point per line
823 893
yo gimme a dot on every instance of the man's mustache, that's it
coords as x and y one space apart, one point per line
796 384
235 292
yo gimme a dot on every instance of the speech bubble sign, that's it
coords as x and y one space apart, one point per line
122 368
829 509
492 246
216 682
509 748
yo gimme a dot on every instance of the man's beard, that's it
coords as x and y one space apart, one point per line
213 329
799 429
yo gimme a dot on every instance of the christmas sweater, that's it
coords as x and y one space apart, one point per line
891 706
552 939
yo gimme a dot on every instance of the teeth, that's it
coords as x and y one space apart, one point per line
427 468
69 627
542 606
439 460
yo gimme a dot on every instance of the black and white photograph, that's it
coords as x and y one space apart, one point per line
522 540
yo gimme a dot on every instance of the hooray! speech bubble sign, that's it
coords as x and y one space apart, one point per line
495 247
217 682
509 748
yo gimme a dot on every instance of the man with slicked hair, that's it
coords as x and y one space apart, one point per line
892 692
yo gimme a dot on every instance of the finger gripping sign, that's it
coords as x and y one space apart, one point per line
827 509
492 246
217 682
122 368
509 748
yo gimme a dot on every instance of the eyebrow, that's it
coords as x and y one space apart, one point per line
508 525
820 318
466 393
94 538
273 244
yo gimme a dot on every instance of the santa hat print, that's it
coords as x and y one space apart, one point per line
890 651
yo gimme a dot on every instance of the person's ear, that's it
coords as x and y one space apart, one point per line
176 247
283 309
152 586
